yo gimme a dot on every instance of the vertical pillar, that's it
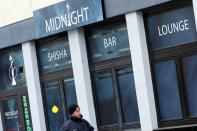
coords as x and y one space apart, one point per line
195 10
33 86
142 73
1 122
82 74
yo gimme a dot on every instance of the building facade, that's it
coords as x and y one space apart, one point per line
131 65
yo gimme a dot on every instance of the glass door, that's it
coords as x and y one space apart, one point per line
16 113
59 95
12 120
116 100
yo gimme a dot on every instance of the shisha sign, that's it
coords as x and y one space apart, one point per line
12 71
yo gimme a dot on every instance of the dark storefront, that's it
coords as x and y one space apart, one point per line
172 37
170 33
13 91
112 77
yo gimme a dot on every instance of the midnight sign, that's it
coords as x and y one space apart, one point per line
66 15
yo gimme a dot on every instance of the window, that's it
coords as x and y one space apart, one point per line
128 97
106 99
167 89
70 92
53 106
57 81
15 112
189 64
110 109
109 43
112 78
174 65
54 56
11 114
171 28
56 101
12 70
14 102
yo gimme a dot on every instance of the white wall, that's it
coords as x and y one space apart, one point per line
33 86
82 74
141 70
1 126
12 11
195 10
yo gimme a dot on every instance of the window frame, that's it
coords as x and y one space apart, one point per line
58 76
176 52
110 65
17 88
126 62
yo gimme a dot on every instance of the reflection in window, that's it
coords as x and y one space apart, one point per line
11 114
167 89
53 106
70 92
128 95
12 70
108 42
190 78
54 56
106 99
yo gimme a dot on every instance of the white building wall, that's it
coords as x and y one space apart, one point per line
33 86
12 11
82 74
195 10
1 122
141 70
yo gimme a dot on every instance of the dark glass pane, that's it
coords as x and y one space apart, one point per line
190 77
70 92
167 90
106 99
27 114
171 28
108 42
53 106
11 114
54 56
12 70
128 96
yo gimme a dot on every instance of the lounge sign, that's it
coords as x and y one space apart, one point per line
66 15
172 28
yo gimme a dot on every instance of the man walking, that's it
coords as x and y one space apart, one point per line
76 122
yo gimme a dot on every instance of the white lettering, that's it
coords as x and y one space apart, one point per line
109 42
66 20
186 24
73 18
86 12
174 27
57 55
80 15
63 21
57 23
48 25
11 113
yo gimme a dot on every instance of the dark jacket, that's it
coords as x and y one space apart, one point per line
76 124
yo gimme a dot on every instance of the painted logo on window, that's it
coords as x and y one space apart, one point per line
12 71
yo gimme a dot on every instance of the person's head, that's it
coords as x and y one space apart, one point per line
74 111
